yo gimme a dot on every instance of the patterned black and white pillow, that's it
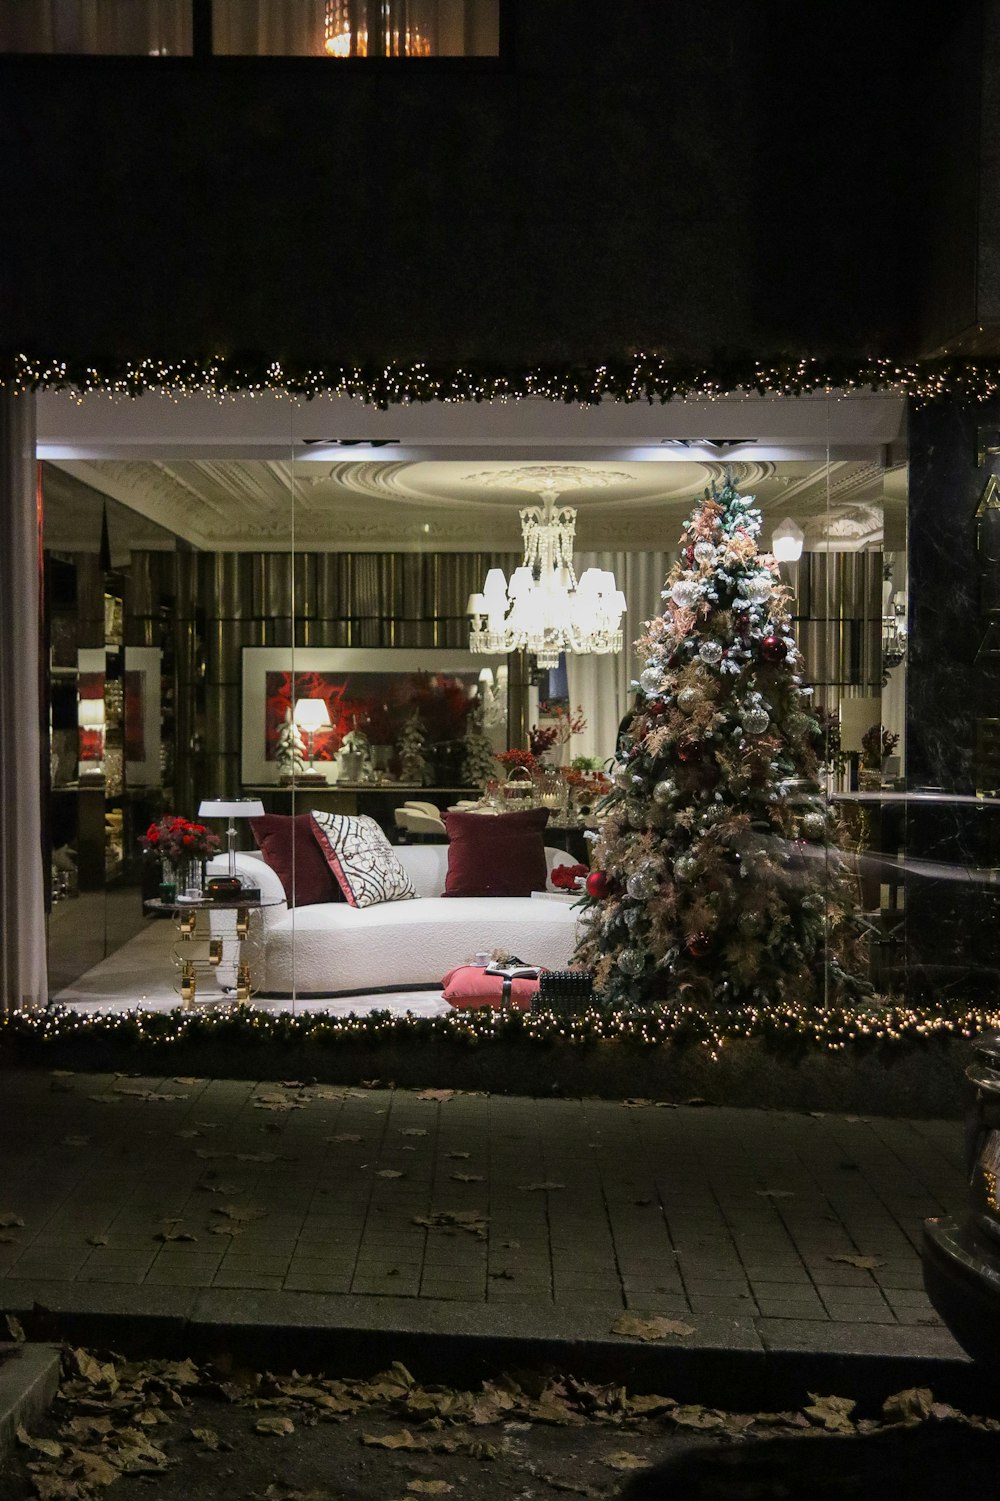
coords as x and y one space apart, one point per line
361 858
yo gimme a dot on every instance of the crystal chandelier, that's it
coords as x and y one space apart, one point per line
544 609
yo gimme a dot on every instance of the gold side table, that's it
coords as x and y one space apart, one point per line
199 955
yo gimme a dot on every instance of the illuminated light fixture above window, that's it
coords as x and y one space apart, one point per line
544 609
371 28
786 541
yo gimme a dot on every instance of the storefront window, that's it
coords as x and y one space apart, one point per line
153 28
357 28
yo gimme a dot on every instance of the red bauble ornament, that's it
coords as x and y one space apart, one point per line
688 751
698 945
773 649
656 706
597 885
689 555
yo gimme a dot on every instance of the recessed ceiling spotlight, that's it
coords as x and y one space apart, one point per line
350 442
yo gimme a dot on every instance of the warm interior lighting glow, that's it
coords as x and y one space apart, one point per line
786 541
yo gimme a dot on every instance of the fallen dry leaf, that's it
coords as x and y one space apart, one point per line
910 1406
11 1222
502 1276
47 1446
171 1233
220 1188
441 1095
92 1370
206 1436
458 1156
529 1188
240 1214
389 1172
775 1193
413 1131
15 1329
97 1240
402 1440
429 1487
188 1135
471 1220
623 1460
466 1177
831 1413
693 1415
866 1263
226 1229
180 1080
275 1427
346 1136
656 1327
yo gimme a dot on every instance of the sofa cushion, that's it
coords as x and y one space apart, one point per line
289 848
499 854
361 859
470 988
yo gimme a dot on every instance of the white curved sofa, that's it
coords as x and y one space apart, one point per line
333 949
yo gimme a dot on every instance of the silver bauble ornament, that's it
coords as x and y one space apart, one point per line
711 653
685 593
756 721
664 792
635 812
813 825
704 552
642 883
687 699
631 962
758 588
685 867
650 679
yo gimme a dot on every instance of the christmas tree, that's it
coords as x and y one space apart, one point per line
717 877
479 761
290 748
414 766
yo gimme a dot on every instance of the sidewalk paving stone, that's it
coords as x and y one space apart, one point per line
730 1218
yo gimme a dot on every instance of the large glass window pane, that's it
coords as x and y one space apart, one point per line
356 28
159 28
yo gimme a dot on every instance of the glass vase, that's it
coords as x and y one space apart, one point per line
168 880
191 879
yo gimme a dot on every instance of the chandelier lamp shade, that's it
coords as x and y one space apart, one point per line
786 541
544 609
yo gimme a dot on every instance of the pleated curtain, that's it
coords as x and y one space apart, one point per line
23 981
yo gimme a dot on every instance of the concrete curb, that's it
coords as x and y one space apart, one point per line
771 1363
29 1379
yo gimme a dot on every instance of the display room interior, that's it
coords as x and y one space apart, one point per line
237 610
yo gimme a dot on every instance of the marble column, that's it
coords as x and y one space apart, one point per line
23 980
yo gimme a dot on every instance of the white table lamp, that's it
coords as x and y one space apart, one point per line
311 714
231 807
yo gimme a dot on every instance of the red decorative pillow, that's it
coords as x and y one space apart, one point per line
470 988
500 854
310 880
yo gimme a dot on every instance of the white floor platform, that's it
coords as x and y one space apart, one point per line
140 974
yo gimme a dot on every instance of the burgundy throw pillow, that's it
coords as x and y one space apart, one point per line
500 854
277 835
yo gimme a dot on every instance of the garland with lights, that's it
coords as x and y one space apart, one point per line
790 1029
645 377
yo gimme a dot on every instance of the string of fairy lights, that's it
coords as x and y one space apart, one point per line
30 1036
644 377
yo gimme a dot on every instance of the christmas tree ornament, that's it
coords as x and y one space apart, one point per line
635 812
688 751
665 791
685 867
704 552
758 588
698 945
631 962
756 721
597 885
687 699
710 653
686 593
773 649
813 825
642 883
621 776
650 679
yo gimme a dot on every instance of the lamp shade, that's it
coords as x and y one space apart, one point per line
231 807
311 713
786 541
90 715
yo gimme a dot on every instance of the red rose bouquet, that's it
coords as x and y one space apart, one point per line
569 877
177 839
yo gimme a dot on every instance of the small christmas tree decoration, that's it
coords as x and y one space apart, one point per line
706 884
290 748
479 761
414 767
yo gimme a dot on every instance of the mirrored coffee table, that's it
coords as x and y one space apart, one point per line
206 955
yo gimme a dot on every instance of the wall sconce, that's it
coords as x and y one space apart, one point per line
786 541
311 714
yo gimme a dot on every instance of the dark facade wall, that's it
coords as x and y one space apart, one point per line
675 178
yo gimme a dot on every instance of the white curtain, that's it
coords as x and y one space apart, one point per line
601 685
23 982
96 26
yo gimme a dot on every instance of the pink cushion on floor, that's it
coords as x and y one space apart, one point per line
470 988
